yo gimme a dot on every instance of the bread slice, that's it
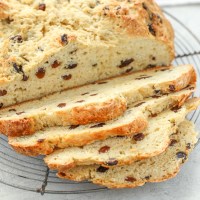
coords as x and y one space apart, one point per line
133 121
92 103
122 150
156 169
44 49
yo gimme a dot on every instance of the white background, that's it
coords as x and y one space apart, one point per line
186 186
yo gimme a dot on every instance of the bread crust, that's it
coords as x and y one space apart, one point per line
125 22
79 115
47 147
72 162
186 135
95 112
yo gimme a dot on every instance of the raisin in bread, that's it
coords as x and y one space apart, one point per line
133 121
122 150
92 103
156 169
47 46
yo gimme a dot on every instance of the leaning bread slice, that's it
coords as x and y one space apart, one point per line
134 120
123 150
156 169
92 103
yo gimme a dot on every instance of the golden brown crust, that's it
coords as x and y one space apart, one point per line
80 115
3 8
93 112
46 147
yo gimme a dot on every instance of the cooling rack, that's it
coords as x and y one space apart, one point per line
31 174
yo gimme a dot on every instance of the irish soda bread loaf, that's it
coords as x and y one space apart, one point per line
155 169
92 103
122 150
50 45
133 121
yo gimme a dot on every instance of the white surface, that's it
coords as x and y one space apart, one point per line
186 186
176 2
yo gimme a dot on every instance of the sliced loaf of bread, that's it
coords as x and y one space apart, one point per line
156 169
123 150
93 103
133 121
47 46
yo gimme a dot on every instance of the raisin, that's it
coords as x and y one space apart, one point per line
72 66
19 113
61 105
81 101
191 88
12 110
139 104
172 88
157 91
138 137
67 77
42 6
55 64
40 140
17 38
85 93
188 146
103 82
62 174
154 115
112 162
74 51
102 169
9 20
147 177
1 105
98 125
40 73
64 39
104 149
144 6
129 70
172 143
163 70
175 109
25 78
130 179
94 65
142 77
181 155
3 92
73 127
151 29
153 58
18 68
125 63
150 66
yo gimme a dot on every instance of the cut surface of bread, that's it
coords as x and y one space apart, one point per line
122 150
44 49
92 103
156 169
134 120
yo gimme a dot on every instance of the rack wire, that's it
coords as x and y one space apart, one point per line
31 174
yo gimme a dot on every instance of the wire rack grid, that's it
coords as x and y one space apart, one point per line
31 174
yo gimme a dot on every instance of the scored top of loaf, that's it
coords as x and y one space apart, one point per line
31 31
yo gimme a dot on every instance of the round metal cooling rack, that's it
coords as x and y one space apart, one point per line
29 173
